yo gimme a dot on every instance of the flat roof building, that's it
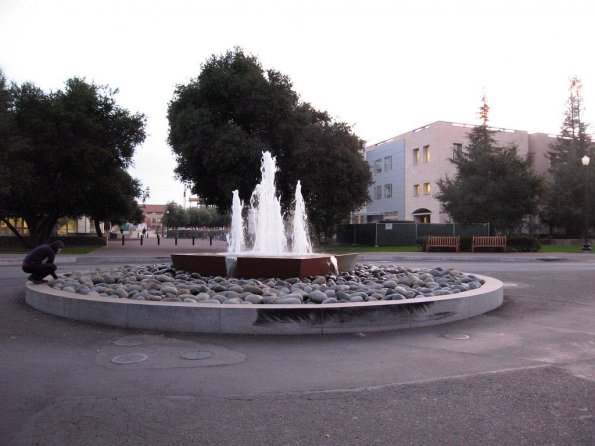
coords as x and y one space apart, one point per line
406 168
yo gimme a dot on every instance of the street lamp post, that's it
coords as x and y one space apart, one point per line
586 245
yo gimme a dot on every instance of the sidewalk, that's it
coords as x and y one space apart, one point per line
149 252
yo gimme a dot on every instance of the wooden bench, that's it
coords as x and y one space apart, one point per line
435 241
488 242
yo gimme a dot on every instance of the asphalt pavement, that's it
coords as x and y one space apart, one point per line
523 374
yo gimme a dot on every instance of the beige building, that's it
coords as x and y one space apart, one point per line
406 168
153 215
65 226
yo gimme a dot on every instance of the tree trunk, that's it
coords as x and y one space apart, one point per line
41 228
98 228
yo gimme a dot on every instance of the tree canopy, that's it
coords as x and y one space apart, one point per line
565 204
492 184
65 154
222 121
175 216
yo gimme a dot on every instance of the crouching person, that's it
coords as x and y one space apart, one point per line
40 262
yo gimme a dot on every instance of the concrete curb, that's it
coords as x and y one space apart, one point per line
15 260
268 319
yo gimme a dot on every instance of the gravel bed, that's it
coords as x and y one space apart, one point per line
365 284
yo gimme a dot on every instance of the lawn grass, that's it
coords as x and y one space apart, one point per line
560 248
341 249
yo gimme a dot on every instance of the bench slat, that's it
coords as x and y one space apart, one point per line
498 241
435 241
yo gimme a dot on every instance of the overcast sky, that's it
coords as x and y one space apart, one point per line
385 67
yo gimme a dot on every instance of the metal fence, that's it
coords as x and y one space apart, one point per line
395 234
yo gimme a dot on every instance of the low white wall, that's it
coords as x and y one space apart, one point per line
268 319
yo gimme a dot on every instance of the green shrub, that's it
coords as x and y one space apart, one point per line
522 243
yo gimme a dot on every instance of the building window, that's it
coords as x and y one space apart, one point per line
416 190
388 191
426 154
18 223
457 150
427 189
415 157
377 192
388 163
66 226
377 166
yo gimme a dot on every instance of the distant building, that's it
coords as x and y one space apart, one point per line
65 226
406 168
153 215
83 225
196 201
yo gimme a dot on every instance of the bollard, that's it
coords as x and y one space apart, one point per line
210 240
158 239
176 240
192 240
122 239
141 240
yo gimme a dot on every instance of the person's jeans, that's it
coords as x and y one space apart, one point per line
38 272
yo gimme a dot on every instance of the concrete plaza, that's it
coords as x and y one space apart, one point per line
522 374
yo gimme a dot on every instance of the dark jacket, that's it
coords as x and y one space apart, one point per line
39 254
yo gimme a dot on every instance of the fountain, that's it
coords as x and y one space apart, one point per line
300 237
257 268
277 249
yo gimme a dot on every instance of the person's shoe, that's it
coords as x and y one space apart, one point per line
38 281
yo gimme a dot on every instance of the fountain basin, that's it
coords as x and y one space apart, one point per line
268 319
249 266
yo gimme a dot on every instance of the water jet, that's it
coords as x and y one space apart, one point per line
276 248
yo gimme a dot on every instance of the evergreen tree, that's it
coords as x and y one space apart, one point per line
493 184
221 122
565 204
65 154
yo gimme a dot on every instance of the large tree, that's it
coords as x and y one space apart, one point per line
493 184
222 121
565 205
65 154
174 216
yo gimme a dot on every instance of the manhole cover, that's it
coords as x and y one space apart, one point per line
129 358
456 336
193 356
128 342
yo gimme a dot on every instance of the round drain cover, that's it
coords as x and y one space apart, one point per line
193 356
128 342
129 358
456 336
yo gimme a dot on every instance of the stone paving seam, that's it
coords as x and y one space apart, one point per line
394 384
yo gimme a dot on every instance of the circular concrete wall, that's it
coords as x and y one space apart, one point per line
268 319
